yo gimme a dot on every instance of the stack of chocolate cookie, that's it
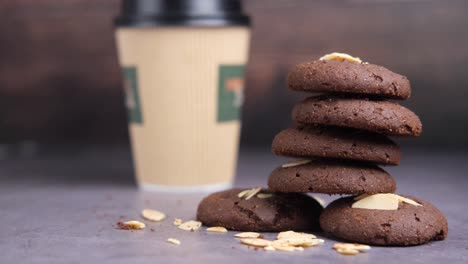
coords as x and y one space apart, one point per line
344 130
343 136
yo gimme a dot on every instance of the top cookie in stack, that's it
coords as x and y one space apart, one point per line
342 73
345 129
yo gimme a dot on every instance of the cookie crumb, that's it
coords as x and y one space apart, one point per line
131 225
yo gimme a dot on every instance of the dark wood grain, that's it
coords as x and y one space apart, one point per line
59 76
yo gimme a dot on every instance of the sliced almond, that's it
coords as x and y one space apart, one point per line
129 225
249 193
296 163
381 201
281 242
264 195
248 235
340 57
173 241
359 247
217 229
299 241
293 234
190 225
313 243
177 221
408 201
243 193
347 251
256 242
293 241
253 193
299 248
269 248
153 215
281 247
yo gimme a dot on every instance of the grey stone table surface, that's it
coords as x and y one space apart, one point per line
62 207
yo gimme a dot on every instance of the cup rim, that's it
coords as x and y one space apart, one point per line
190 21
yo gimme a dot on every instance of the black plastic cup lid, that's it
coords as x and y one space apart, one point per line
203 13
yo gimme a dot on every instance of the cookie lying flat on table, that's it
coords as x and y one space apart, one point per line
336 143
348 77
376 116
263 211
407 225
332 177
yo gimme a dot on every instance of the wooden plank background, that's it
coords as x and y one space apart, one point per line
59 77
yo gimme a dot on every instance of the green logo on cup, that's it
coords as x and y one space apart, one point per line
230 92
132 99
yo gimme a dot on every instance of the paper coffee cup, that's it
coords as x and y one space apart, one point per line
184 90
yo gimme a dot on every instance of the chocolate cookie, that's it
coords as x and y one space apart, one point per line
279 212
332 177
377 116
348 77
409 225
336 143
